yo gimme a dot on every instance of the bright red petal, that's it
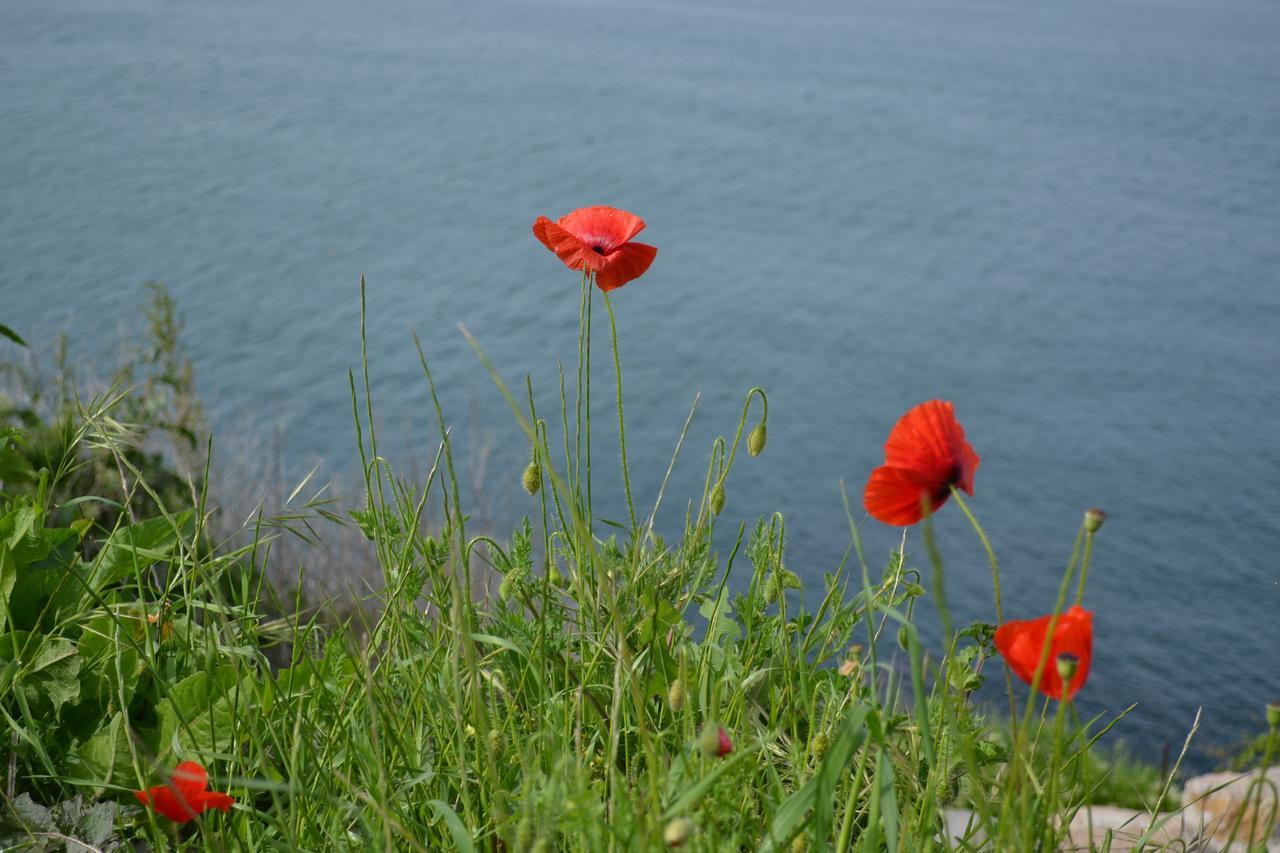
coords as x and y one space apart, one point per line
893 495
540 231
190 780
930 440
566 246
168 802
626 264
1021 643
602 228
216 800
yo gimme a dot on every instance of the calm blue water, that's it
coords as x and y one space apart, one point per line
1065 217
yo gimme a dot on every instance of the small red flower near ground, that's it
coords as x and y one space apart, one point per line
186 796
925 456
597 239
1021 643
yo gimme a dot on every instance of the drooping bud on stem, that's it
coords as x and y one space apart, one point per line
713 741
1067 665
679 831
756 439
717 499
531 479
1273 714
1093 519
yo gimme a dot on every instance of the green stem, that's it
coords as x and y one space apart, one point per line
622 428
995 583
1084 565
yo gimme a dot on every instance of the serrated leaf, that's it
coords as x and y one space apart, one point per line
32 815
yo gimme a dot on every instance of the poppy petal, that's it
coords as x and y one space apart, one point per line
215 800
930 440
1021 643
190 780
567 247
893 495
626 264
603 228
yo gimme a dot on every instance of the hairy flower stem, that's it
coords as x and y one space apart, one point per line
622 428
1084 564
995 584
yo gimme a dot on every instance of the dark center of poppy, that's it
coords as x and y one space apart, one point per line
599 250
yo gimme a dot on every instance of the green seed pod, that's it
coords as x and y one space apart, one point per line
675 695
904 638
791 580
531 479
679 831
1067 665
507 587
756 439
1093 519
717 499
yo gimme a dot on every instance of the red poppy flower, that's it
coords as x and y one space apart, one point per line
1022 642
186 795
597 239
925 456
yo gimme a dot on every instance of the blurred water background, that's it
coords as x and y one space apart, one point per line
1065 217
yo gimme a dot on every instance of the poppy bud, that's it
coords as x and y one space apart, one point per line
757 438
1273 714
1067 664
679 831
714 741
1093 519
675 695
531 479
717 499
507 586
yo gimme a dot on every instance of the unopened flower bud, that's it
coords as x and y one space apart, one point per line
507 586
1273 714
714 741
675 695
531 479
679 831
717 499
1093 519
1067 665
756 439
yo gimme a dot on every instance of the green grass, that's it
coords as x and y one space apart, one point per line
571 711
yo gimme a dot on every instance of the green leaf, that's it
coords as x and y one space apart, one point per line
200 713
8 577
461 838
106 758
34 817
12 335
137 547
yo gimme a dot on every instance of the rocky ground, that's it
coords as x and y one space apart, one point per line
1213 807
